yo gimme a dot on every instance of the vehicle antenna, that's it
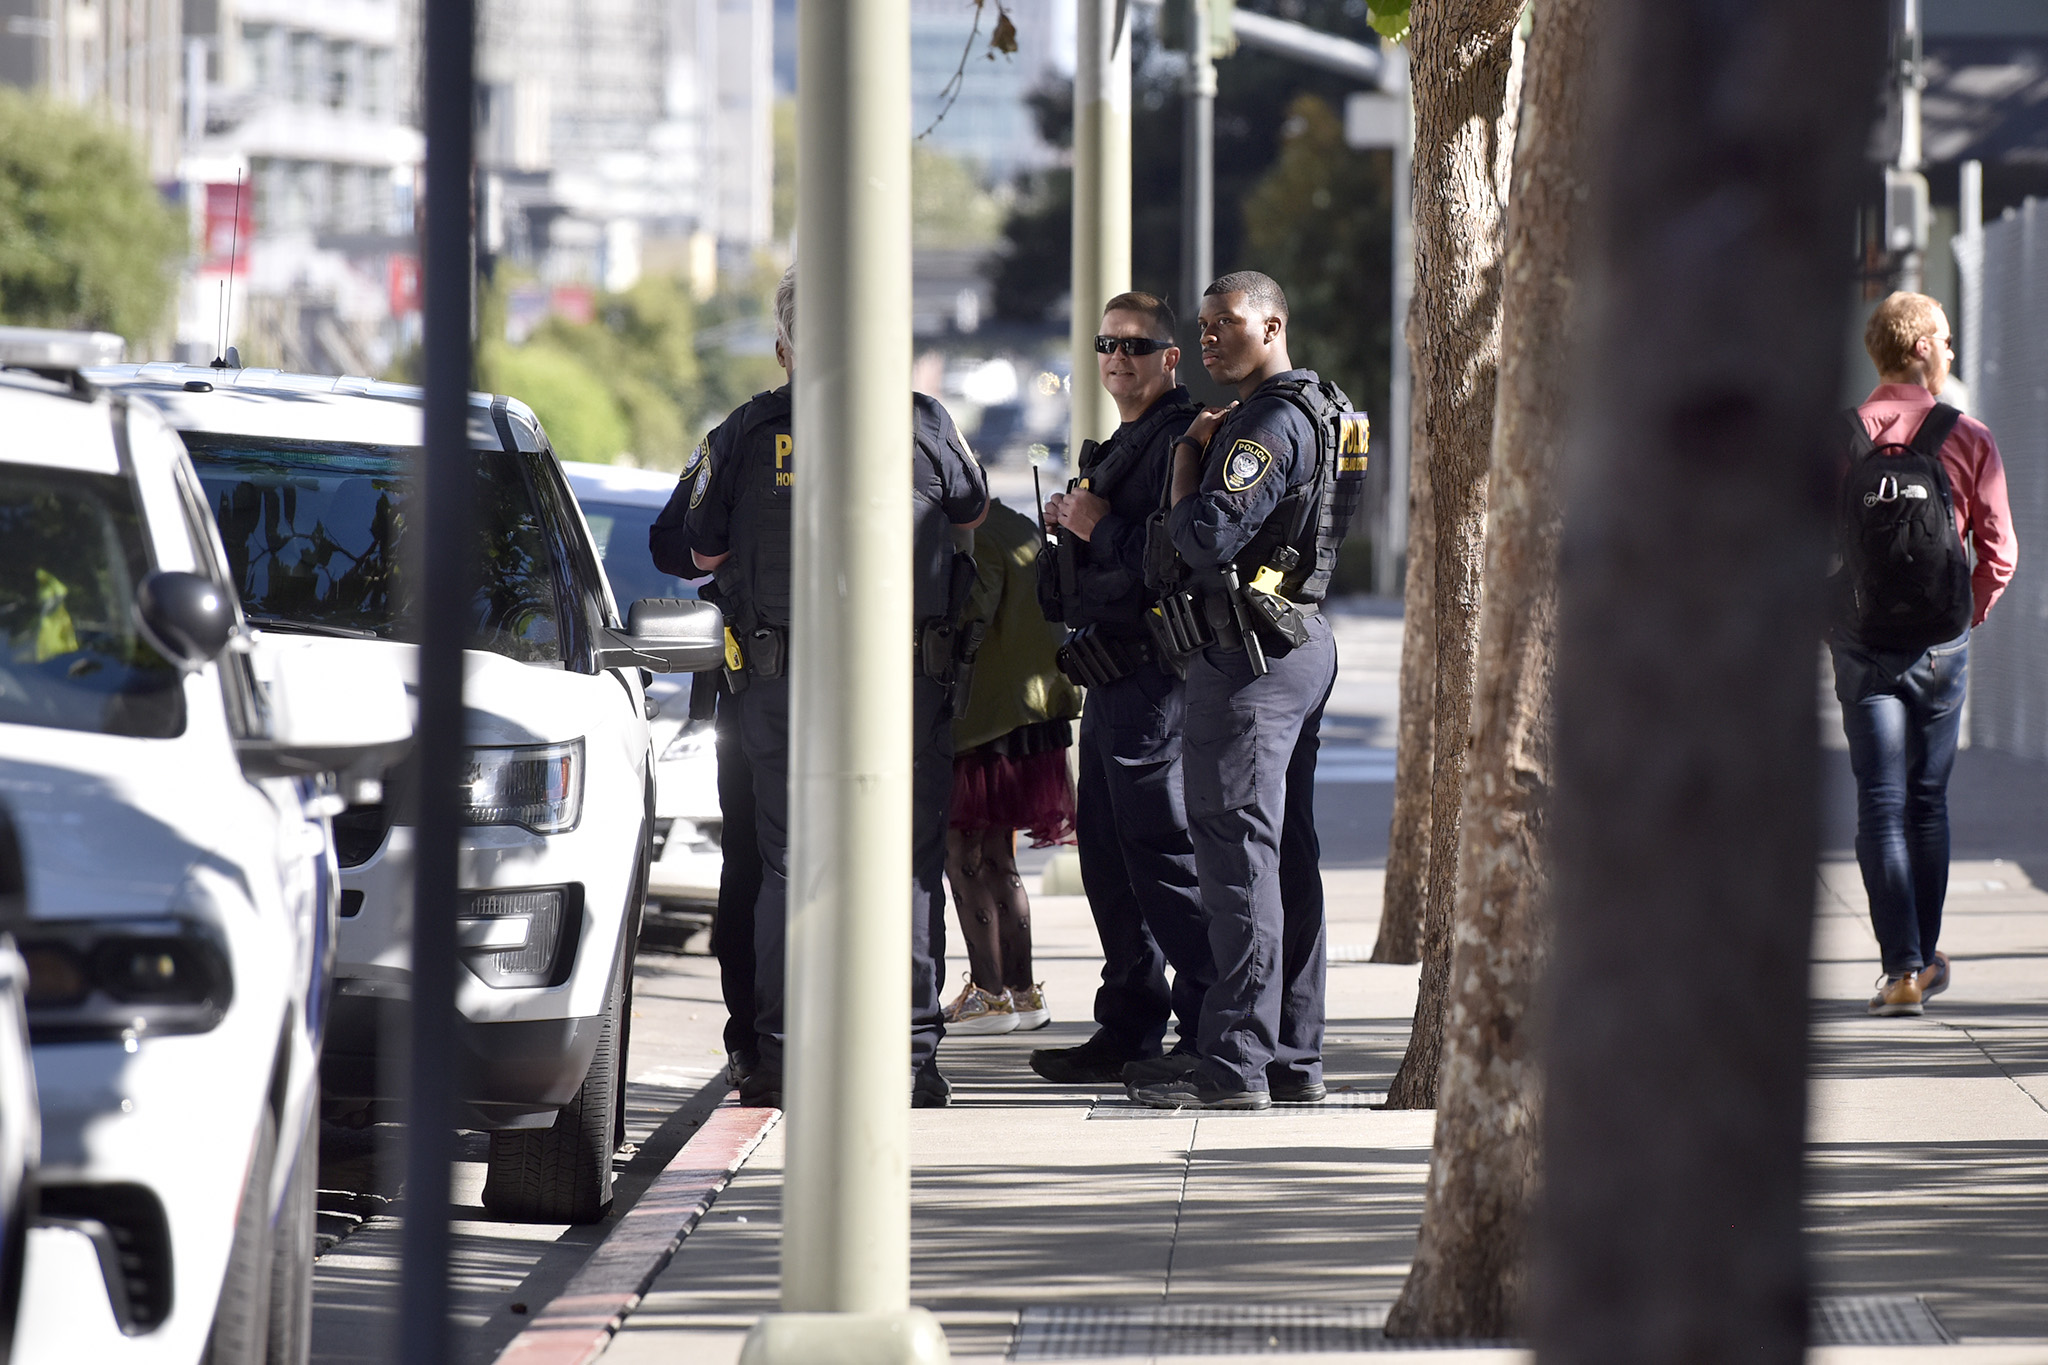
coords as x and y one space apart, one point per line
228 286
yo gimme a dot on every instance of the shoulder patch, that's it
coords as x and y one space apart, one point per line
701 462
1246 464
697 457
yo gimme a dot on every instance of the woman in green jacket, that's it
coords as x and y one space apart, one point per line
1011 773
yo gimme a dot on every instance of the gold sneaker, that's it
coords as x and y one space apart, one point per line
1896 995
1030 1006
977 1011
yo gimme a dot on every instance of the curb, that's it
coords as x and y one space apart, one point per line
576 1326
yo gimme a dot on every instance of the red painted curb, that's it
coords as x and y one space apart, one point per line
576 1326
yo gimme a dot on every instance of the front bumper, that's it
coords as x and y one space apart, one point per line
511 1074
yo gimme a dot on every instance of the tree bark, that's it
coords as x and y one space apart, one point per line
1406 888
1462 68
1470 1273
1686 818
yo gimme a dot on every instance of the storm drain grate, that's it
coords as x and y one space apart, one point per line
1876 1320
1071 1332
1076 1332
1128 1109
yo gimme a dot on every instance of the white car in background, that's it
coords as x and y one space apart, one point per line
167 775
682 885
310 478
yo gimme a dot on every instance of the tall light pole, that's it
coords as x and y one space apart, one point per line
1905 199
846 1181
1198 169
1102 201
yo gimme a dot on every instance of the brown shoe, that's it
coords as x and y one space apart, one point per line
1896 995
1933 978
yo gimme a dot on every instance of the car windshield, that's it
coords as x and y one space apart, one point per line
620 530
71 555
315 533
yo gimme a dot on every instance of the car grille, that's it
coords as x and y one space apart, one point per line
128 1221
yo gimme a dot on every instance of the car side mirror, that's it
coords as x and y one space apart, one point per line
354 721
667 635
185 618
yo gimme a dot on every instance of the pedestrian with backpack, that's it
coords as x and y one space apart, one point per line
1922 481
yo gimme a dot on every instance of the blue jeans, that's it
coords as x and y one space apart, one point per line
1903 714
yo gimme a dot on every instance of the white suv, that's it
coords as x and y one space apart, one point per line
162 767
309 479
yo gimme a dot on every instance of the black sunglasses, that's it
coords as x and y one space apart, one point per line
1129 345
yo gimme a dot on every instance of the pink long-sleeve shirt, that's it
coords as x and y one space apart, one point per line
1976 478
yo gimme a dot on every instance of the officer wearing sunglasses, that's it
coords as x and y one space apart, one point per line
1137 863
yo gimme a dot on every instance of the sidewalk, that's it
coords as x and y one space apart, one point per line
1056 1224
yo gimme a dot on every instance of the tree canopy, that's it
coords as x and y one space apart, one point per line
86 241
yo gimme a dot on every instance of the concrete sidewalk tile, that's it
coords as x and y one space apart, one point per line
576 1325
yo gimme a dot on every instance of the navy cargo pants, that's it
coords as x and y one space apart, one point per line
764 728
1250 756
1137 864
739 882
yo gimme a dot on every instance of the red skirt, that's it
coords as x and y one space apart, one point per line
993 789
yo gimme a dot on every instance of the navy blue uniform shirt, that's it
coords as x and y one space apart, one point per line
1261 450
948 488
1109 578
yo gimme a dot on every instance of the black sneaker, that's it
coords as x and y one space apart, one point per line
1297 1092
1191 1092
738 1066
761 1089
1153 1070
931 1089
1098 1061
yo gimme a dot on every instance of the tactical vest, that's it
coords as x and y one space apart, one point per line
756 579
1314 514
1103 470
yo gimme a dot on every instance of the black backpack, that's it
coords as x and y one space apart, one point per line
1905 577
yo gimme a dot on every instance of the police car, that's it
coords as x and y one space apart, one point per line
169 775
309 478
682 884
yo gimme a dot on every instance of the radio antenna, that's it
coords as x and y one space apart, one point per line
228 286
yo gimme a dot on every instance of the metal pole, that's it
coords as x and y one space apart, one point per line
846 1181
446 483
1911 270
1198 172
1390 553
1102 201
1970 253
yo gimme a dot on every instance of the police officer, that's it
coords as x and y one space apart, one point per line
738 488
739 872
1261 493
1137 865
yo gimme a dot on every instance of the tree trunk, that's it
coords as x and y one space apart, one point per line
1406 889
1462 69
1470 1273
1685 826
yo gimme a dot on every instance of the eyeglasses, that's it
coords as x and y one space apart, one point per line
1129 345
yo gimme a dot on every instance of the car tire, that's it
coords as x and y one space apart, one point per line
563 1174
241 1317
291 1260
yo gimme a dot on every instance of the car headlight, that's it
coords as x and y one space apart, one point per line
697 739
538 787
124 978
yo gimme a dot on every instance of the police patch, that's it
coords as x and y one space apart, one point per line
697 457
1247 464
702 463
